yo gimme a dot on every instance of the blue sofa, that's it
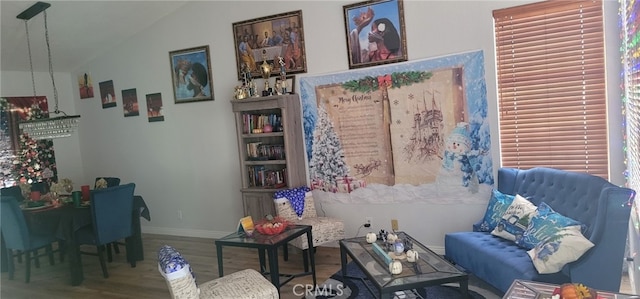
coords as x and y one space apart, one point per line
603 207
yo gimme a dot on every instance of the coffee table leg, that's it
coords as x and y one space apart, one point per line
464 288
343 260
219 254
273 266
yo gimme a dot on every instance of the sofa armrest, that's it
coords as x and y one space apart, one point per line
507 180
601 266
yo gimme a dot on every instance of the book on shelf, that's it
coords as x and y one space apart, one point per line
257 121
260 176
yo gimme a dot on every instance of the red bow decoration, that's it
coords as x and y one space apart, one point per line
384 81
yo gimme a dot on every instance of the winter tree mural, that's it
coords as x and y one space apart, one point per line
414 131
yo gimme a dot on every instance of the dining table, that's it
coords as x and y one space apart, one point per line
63 221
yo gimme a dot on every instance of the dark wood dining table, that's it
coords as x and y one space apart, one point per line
64 220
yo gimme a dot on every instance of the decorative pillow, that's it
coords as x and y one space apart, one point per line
177 273
515 219
545 224
296 197
566 246
498 204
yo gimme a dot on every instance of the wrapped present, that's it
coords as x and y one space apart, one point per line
348 183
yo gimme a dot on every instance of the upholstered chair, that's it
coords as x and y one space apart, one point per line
298 207
244 284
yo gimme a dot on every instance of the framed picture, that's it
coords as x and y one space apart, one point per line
375 33
191 75
266 39
85 85
130 102
107 94
154 107
288 87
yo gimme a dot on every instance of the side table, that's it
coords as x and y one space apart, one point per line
270 244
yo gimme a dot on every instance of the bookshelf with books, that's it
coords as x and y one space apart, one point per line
271 145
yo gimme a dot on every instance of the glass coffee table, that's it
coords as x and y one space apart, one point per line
429 270
524 289
270 244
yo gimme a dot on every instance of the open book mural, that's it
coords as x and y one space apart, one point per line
419 125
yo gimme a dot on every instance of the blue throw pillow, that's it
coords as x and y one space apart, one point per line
544 225
498 204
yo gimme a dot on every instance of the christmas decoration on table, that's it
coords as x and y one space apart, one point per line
271 225
573 291
25 189
67 184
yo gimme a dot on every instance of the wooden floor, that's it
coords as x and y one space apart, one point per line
144 281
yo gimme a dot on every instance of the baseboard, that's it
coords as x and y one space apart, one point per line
196 233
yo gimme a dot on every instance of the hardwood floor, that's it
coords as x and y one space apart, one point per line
144 281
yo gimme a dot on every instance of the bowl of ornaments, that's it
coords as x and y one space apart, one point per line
271 225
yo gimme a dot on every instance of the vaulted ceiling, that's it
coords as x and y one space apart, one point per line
78 30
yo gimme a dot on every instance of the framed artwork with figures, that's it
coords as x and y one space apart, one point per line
375 33
191 75
265 39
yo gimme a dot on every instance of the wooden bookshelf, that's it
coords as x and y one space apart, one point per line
269 161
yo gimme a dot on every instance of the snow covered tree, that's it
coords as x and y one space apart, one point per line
327 162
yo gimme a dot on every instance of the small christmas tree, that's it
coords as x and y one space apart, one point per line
327 163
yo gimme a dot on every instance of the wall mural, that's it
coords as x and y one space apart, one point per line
22 159
413 131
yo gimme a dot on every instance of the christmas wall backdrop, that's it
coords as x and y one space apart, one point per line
405 132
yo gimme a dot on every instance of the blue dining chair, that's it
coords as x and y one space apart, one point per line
111 182
14 191
17 236
111 213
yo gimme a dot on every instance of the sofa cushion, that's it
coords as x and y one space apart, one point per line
515 219
565 246
497 261
498 204
545 224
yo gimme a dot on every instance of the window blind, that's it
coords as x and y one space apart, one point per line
551 86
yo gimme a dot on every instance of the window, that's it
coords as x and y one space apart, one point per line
551 86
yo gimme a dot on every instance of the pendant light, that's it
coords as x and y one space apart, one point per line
52 127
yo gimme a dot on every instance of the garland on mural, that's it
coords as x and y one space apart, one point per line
395 80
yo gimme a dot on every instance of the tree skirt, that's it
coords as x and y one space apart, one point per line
354 288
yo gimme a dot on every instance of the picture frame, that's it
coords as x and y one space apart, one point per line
375 33
290 84
263 39
191 75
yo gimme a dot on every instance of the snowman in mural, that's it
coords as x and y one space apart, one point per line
458 162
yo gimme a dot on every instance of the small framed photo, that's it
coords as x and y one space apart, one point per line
288 87
267 38
154 107
375 33
191 75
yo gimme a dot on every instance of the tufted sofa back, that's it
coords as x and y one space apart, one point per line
575 195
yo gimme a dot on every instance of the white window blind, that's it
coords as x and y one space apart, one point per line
551 86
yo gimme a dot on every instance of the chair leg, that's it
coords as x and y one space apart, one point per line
11 267
52 260
285 252
103 264
27 257
19 255
35 257
109 255
116 248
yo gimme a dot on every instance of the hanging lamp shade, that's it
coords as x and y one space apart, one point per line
52 127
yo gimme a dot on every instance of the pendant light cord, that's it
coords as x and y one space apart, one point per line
33 80
53 82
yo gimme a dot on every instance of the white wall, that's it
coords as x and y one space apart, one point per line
189 162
